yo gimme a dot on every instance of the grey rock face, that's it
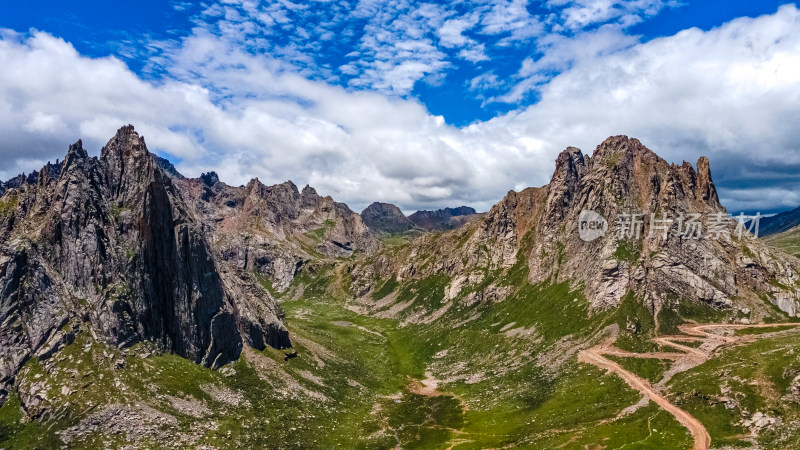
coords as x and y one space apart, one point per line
109 241
386 218
624 177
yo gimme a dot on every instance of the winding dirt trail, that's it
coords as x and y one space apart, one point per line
691 357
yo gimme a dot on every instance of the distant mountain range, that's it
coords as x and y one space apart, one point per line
779 223
388 218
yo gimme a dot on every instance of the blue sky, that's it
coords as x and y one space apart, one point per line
438 103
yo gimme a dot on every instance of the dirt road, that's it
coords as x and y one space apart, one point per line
702 441
694 333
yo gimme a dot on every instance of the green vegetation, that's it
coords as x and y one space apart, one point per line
756 378
788 241
677 311
14 433
265 282
650 369
394 240
636 325
319 233
428 292
500 373
757 331
628 251
116 211
386 288
612 161
8 204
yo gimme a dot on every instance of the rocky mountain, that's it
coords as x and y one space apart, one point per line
622 183
443 219
386 218
127 247
274 231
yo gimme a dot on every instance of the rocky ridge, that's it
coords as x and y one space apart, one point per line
622 177
779 223
275 231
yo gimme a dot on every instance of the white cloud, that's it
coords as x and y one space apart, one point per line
732 93
579 14
402 43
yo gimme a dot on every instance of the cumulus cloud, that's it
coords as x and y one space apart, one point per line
730 93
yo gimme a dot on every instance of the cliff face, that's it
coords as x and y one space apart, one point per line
110 243
622 183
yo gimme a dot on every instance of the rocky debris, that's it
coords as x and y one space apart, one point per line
225 395
760 421
443 219
112 243
189 406
134 423
386 218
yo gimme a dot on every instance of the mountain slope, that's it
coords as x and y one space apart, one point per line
275 231
788 241
785 221
467 338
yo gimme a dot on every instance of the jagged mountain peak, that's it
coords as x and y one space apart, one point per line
210 179
110 244
125 144
75 153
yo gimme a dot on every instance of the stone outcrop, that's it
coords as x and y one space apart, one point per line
386 218
623 179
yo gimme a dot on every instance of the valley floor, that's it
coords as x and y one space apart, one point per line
361 381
